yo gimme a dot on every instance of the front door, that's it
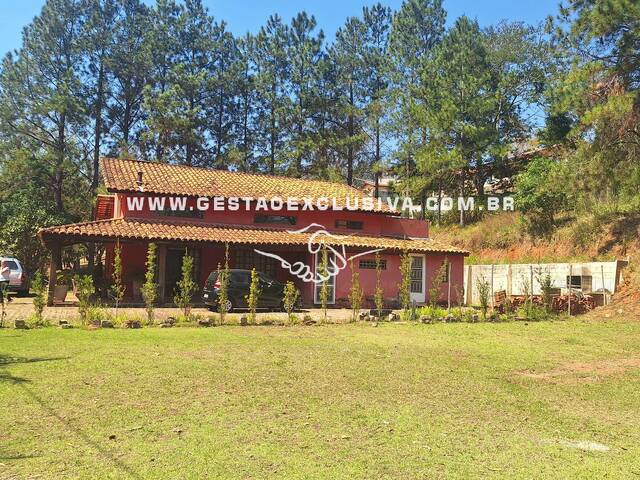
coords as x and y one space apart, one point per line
418 289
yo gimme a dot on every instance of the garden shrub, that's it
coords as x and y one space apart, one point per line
186 287
254 295
39 299
84 291
290 298
149 288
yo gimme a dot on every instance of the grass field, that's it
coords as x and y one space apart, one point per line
543 400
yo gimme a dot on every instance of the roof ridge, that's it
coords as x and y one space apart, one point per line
254 174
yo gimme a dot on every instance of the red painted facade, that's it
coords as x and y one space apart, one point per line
209 256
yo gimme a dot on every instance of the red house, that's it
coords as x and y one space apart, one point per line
269 222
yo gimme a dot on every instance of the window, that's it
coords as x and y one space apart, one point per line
331 281
248 259
239 278
11 264
370 264
195 213
275 219
350 224
416 275
580 282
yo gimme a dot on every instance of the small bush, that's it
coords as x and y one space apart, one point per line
378 297
40 298
290 298
254 295
150 288
84 291
223 291
484 290
355 294
186 287
117 288
404 287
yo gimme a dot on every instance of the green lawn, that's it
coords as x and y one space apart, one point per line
343 401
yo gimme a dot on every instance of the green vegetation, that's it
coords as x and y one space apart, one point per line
356 293
186 286
39 289
4 302
378 297
85 291
117 288
149 288
484 294
528 401
290 298
223 291
404 287
436 283
253 297
323 271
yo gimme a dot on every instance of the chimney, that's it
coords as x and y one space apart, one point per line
139 180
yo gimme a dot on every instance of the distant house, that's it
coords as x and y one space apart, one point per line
138 211
384 190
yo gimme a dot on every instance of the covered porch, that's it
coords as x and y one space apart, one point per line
206 243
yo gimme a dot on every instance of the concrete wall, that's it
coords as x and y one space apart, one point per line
513 277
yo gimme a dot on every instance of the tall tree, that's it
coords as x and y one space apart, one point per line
377 70
304 51
227 71
41 98
346 55
459 101
177 104
130 68
273 71
416 29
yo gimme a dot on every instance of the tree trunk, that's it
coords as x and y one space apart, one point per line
351 128
59 168
462 179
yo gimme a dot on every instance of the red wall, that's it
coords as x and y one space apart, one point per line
391 276
374 223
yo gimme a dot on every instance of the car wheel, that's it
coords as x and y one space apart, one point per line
229 305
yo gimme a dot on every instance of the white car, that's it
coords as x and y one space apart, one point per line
18 278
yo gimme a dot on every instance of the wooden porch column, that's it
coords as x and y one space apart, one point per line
56 254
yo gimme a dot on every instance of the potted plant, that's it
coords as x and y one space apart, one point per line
62 285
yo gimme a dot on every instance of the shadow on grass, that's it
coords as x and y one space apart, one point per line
6 360
101 450
106 453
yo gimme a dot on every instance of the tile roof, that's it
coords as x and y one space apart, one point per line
121 175
155 230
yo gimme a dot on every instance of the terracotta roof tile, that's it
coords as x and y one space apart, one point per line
143 229
120 175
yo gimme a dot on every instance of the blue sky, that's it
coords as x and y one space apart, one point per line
249 15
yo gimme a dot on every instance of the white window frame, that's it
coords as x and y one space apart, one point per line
332 280
420 297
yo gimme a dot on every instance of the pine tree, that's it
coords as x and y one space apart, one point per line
273 71
416 29
304 52
459 102
130 66
41 95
